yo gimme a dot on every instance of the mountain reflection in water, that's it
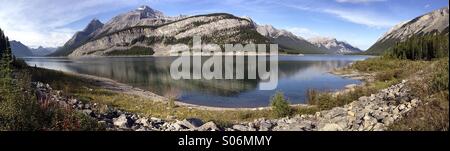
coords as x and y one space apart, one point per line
297 74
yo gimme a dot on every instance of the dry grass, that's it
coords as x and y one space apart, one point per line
84 90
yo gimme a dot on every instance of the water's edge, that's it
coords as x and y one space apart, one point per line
119 87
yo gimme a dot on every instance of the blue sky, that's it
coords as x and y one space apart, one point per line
359 22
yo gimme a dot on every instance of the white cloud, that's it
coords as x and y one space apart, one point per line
427 5
302 32
362 18
359 1
45 22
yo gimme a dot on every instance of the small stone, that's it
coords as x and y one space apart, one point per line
350 113
73 101
144 121
240 127
401 107
175 127
378 127
210 126
87 112
414 102
388 120
87 106
331 127
395 111
264 126
155 120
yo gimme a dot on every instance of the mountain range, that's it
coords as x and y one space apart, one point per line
435 22
149 30
21 50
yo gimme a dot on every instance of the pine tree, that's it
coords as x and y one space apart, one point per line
16 109
423 47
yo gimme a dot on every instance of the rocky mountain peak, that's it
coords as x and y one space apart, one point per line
147 12
322 40
435 22
93 26
333 45
272 32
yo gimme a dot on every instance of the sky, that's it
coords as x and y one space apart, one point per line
50 23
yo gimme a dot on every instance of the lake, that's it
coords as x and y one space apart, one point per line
297 74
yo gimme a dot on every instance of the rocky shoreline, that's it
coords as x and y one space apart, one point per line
368 113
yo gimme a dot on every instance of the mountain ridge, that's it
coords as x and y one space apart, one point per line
334 45
19 49
434 22
79 38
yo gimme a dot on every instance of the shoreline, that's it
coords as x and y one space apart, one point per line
118 87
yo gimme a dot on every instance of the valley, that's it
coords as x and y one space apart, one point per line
116 76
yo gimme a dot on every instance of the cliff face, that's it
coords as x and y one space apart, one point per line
214 28
435 22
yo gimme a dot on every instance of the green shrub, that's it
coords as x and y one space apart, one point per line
280 106
439 81
388 75
325 100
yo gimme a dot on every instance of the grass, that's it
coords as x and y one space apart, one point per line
432 89
85 91
386 71
428 81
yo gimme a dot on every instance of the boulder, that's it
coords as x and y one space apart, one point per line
122 121
265 126
210 126
388 120
144 122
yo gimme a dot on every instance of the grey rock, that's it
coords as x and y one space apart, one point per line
210 126
401 107
122 121
265 126
330 127
240 127
378 127
73 101
87 112
144 121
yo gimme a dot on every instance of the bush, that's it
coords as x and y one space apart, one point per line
280 106
56 118
388 75
439 81
325 100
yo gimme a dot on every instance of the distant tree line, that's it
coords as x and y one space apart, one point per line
421 47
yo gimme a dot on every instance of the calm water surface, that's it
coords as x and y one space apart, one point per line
297 74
